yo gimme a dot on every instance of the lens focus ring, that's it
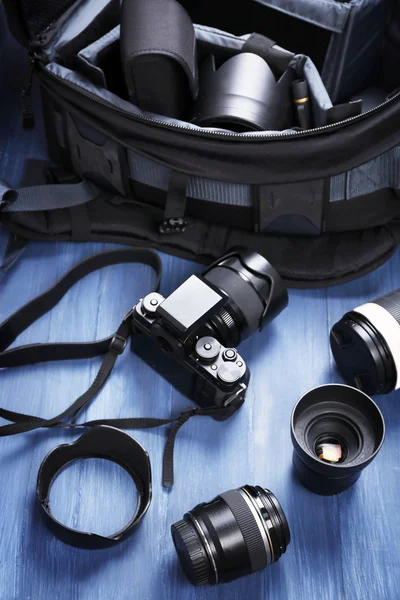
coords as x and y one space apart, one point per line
249 528
391 303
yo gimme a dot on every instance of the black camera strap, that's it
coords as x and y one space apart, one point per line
110 347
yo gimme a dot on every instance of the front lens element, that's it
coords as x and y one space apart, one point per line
239 533
331 450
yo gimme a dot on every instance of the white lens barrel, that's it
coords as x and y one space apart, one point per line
388 327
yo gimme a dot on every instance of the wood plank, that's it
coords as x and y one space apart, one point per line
342 547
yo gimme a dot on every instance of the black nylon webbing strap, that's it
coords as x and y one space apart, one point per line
28 314
175 206
110 347
277 58
14 250
151 423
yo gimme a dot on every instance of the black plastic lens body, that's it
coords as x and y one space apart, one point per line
366 345
238 533
336 432
256 295
241 95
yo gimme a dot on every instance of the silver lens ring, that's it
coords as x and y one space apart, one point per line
262 517
206 545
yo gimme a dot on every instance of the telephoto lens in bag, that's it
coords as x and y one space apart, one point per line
158 52
242 95
366 345
238 533
336 432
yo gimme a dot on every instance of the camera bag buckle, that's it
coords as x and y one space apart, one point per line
118 344
173 225
175 205
291 207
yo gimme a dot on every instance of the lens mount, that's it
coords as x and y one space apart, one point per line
354 425
240 532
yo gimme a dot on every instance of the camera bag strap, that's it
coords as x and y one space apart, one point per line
110 348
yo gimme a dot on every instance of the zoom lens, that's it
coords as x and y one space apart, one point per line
366 345
256 295
336 432
238 533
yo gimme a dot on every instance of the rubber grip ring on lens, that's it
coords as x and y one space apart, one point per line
388 327
391 303
249 528
197 555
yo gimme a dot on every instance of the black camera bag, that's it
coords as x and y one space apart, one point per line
322 204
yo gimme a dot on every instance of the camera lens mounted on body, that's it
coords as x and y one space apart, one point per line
255 291
231 300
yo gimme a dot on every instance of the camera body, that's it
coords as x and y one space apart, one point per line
180 326
201 323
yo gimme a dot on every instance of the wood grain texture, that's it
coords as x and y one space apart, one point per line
345 547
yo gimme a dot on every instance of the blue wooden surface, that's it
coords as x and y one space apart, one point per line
344 547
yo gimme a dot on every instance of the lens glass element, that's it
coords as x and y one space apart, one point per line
331 449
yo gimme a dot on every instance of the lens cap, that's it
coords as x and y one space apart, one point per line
336 432
365 345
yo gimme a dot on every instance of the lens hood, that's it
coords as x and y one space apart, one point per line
336 432
108 443
242 95
257 292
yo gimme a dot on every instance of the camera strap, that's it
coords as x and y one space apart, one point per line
110 347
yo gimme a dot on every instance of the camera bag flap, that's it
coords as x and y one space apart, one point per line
322 204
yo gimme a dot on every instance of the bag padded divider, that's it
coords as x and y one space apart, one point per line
97 73
88 24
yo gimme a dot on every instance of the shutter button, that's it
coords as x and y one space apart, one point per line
229 372
230 355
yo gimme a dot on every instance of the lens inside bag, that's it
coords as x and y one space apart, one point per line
366 345
336 432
